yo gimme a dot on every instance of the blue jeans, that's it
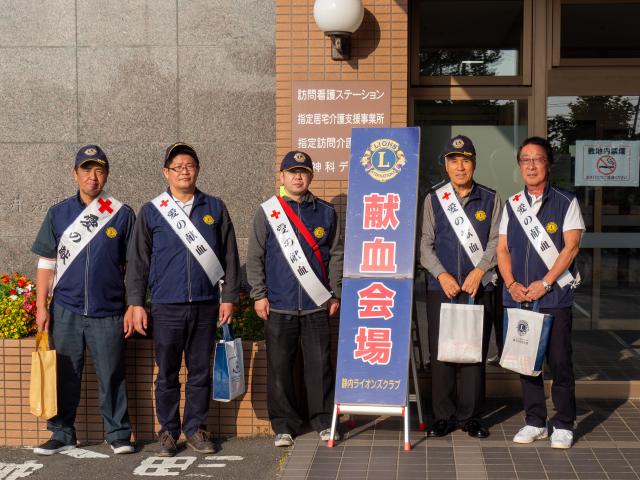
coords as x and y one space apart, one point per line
104 337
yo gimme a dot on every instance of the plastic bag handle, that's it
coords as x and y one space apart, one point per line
227 334
472 300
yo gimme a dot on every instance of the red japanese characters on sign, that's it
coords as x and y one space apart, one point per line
380 211
373 345
376 301
378 256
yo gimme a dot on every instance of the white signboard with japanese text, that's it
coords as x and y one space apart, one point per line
607 163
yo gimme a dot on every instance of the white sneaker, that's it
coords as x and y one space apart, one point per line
283 440
529 433
325 435
561 438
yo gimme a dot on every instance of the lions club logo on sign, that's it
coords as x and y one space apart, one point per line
481 215
111 232
552 227
383 160
523 328
208 219
318 232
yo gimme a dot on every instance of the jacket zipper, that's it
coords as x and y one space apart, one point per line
189 260
86 280
299 286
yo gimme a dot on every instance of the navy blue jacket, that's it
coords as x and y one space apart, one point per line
93 285
159 260
268 270
526 265
479 209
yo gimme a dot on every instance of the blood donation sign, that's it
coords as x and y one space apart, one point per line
377 292
607 163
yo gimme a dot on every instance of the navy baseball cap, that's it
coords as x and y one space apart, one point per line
91 153
459 145
296 159
178 148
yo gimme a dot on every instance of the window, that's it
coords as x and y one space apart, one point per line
469 38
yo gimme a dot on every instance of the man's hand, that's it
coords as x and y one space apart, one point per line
43 318
225 313
518 292
449 284
127 323
332 306
262 308
535 291
472 282
140 320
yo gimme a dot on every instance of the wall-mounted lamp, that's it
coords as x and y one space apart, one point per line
338 19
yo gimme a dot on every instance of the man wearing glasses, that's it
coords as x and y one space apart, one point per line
539 239
294 266
183 247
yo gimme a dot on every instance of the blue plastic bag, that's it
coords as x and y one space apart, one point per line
228 368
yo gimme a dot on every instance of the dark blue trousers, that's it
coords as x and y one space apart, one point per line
563 388
104 337
187 328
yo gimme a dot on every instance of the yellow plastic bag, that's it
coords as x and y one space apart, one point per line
43 395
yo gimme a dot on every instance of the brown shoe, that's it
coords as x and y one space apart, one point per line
200 442
168 447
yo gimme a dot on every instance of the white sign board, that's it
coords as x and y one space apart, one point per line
607 163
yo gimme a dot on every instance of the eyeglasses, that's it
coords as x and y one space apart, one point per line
180 168
537 160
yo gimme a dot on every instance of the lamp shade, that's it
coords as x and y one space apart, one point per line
338 15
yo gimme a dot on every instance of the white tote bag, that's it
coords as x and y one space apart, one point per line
525 340
460 335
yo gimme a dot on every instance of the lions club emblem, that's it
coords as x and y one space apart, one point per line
552 227
111 232
90 152
458 143
481 215
299 157
383 160
523 328
318 232
208 219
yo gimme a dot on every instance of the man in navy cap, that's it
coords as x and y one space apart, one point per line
458 245
294 266
82 246
184 249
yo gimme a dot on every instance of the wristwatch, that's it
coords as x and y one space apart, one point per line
547 287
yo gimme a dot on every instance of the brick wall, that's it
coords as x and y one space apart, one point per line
244 417
379 52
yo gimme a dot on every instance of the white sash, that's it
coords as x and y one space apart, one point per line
292 251
463 227
82 230
539 237
190 236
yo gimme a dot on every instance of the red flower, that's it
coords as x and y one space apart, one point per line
12 292
21 282
5 279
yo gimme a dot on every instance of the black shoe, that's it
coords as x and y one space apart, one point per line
440 428
168 447
52 446
122 446
201 443
475 429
